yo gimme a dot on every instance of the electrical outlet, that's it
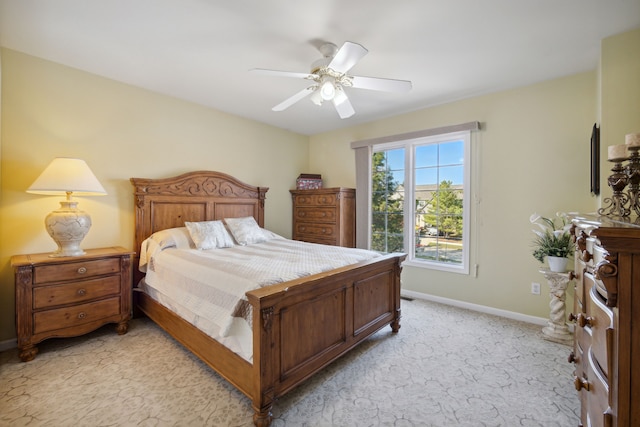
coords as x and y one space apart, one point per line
535 288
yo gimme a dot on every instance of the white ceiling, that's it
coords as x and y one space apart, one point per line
201 50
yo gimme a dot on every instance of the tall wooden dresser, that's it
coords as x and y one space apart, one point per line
606 311
326 216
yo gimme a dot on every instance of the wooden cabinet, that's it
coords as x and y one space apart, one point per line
326 216
607 315
70 296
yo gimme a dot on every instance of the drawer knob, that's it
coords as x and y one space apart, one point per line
82 315
584 320
581 319
581 383
302 214
572 358
81 292
82 270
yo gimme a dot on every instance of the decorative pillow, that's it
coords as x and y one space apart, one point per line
245 230
209 234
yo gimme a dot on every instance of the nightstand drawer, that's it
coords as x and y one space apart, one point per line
75 270
75 292
60 318
316 214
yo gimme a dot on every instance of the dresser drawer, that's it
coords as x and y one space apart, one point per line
600 319
316 214
598 412
328 231
75 292
579 271
583 337
75 270
61 318
314 200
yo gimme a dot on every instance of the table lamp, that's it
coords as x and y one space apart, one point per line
68 225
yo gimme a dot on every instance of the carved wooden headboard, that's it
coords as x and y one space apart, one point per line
194 196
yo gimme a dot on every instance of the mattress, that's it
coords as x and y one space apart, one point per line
207 287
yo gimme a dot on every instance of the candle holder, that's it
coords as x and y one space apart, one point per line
616 205
633 173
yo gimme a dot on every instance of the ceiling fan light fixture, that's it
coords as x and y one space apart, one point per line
328 89
316 97
340 96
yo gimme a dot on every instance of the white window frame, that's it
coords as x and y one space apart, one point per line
409 141
409 147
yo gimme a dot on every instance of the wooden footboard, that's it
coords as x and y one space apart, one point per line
303 325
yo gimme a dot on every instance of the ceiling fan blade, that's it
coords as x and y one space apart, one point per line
278 73
295 98
347 56
343 105
385 85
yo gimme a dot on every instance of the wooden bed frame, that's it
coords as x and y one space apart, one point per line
300 326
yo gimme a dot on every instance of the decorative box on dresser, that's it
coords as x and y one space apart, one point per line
326 216
70 296
606 311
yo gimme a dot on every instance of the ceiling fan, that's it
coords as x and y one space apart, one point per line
329 76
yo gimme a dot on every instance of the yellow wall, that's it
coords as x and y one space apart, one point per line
620 86
49 110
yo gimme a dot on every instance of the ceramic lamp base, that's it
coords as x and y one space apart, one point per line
67 227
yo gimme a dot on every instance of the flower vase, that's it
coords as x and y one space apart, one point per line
557 264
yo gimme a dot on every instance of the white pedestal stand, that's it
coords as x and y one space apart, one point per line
557 329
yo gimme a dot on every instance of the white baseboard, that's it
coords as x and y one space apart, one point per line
8 344
477 307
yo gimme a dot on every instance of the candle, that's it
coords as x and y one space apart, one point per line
632 139
618 152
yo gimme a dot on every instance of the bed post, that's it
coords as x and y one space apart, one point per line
264 362
395 323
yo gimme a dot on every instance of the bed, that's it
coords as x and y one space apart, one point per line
290 335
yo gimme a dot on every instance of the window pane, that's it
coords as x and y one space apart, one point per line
387 201
426 156
439 184
455 174
451 153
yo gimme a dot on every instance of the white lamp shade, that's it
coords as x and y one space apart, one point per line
64 175
68 225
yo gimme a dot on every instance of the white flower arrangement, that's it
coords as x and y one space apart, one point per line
552 239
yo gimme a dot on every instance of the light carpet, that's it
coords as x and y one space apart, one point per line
446 367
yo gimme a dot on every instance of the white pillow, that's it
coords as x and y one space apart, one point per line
209 234
245 230
161 240
172 238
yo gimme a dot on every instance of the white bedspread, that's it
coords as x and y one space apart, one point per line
212 284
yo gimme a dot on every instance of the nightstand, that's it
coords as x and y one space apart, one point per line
70 296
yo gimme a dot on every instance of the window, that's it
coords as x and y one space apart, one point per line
433 173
